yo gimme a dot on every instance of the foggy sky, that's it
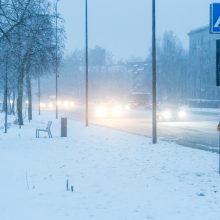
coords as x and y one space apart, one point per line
124 26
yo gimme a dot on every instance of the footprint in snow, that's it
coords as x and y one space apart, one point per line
200 194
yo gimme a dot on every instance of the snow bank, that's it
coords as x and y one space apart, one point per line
115 176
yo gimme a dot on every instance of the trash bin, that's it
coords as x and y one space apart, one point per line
63 127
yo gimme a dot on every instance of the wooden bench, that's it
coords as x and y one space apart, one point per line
47 129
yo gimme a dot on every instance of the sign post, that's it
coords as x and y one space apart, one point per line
215 29
218 129
218 84
218 62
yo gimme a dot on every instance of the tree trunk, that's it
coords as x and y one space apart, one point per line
4 102
9 102
29 95
20 98
13 103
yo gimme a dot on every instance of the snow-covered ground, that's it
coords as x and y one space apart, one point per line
115 176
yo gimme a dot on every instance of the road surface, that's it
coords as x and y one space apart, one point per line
198 131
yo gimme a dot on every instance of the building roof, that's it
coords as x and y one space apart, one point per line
197 30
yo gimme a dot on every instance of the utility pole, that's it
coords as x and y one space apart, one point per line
56 64
87 75
154 76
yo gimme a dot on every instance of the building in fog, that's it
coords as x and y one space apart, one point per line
202 66
140 76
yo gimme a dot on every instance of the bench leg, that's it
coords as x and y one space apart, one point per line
38 133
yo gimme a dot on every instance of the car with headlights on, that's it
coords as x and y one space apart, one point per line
172 113
110 109
107 110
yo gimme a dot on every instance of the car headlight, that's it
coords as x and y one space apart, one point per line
116 110
101 111
127 107
72 104
43 105
167 115
50 105
182 114
66 104
58 102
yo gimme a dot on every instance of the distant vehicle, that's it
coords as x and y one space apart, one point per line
63 105
140 99
109 109
171 113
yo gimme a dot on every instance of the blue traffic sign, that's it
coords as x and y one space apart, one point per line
215 18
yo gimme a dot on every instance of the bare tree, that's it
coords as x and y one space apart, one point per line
29 28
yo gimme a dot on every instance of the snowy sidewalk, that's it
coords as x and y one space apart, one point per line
116 176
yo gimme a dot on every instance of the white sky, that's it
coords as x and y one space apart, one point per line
124 26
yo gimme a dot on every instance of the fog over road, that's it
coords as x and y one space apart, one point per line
197 131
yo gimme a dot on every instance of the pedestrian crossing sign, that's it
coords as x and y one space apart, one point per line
215 18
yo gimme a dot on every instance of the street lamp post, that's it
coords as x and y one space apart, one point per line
56 64
154 76
86 63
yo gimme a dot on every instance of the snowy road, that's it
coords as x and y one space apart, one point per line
198 131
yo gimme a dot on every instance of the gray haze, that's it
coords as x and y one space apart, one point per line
124 26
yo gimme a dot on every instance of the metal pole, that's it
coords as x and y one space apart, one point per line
6 94
39 97
217 84
87 75
219 154
154 79
56 65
